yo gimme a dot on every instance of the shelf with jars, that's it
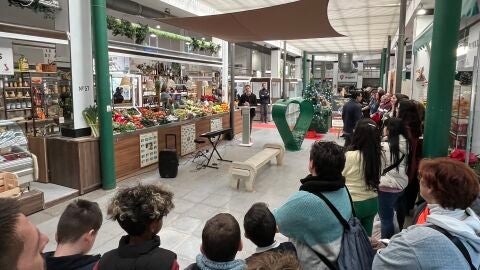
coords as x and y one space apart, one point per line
34 97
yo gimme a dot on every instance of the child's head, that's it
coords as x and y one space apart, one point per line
221 238
274 260
139 210
260 226
79 224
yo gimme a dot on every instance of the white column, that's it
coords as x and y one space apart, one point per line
298 68
275 63
360 75
81 59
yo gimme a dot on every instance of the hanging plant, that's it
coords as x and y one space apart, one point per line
48 7
465 78
195 44
202 45
141 33
128 29
176 69
115 26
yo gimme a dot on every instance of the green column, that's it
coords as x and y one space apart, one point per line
100 44
446 23
382 65
305 71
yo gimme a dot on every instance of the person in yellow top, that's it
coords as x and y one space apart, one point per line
362 170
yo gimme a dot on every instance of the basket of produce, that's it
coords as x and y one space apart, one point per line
49 67
8 185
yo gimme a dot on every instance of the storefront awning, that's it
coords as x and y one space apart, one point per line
423 39
302 19
470 8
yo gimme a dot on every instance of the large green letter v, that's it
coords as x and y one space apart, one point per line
292 139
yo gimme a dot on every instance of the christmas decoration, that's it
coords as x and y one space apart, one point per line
312 94
321 99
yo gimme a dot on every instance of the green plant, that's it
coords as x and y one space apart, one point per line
139 32
128 29
91 117
36 6
176 69
311 94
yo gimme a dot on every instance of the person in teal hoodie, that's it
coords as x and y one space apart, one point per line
306 219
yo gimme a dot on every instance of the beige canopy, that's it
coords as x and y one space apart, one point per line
302 19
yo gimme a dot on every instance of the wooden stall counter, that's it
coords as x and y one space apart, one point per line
74 162
137 152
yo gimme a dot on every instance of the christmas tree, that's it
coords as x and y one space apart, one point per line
326 91
321 100
311 94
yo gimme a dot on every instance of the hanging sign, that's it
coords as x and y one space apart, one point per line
6 58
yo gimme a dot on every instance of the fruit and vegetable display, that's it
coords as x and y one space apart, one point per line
220 108
131 119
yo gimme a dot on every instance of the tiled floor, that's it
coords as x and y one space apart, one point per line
198 196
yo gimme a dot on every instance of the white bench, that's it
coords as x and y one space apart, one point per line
247 170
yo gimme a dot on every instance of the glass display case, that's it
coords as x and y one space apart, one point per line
14 154
460 116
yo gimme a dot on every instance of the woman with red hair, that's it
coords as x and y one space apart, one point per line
450 239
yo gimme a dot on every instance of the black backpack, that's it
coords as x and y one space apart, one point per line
356 252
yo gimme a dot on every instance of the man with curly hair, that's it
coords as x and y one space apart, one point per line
139 211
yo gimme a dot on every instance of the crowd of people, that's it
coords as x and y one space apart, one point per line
328 220
311 218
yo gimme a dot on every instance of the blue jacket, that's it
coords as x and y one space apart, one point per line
351 113
420 247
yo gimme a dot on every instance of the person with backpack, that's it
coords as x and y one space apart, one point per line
315 217
394 177
362 171
450 237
